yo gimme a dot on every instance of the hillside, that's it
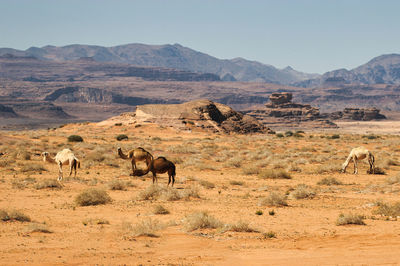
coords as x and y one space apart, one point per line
168 56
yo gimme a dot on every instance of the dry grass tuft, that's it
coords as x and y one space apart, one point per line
38 228
13 215
206 184
117 185
242 226
48 183
303 191
146 227
92 196
385 209
33 167
159 209
273 199
329 181
152 192
350 218
201 220
274 174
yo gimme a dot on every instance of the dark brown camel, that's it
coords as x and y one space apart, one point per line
158 166
135 155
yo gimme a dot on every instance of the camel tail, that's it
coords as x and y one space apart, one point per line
78 163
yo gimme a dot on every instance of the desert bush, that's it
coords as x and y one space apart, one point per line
171 194
95 221
393 179
75 138
159 209
33 167
147 227
303 191
328 168
38 228
206 184
273 199
250 170
25 155
329 181
370 137
236 183
279 135
242 226
184 149
48 183
121 137
288 133
152 192
269 234
298 135
350 218
334 136
117 185
235 162
201 220
388 209
92 196
259 212
118 124
13 215
274 174
191 192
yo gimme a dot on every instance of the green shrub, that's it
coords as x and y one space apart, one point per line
259 212
75 138
121 137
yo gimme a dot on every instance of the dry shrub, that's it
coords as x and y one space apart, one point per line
38 228
274 174
206 184
393 179
388 209
328 168
191 192
159 209
117 185
235 162
95 221
350 218
170 194
201 220
329 181
147 227
273 199
6 162
48 183
303 191
33 167
242 226
377 171
24 155
152 192
13 215
92 196
269 234
251 170
236 183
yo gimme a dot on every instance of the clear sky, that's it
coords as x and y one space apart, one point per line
309 35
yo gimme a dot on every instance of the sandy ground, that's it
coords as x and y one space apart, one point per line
221 175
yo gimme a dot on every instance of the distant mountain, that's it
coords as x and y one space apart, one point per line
384 69
169 56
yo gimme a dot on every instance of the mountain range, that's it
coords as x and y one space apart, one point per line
381 69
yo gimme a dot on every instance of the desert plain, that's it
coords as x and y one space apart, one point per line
256 199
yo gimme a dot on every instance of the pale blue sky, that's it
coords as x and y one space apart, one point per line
309 35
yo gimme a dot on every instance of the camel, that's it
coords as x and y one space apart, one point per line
66 156
159 166
356 154
135 155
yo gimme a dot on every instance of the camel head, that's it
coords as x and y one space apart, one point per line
344 168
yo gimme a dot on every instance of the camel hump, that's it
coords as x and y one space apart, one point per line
162 158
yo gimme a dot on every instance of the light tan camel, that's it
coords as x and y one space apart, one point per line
159 166
135 155
64 157
359 153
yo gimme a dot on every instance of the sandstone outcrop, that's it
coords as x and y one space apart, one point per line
199 114
359 114
281 112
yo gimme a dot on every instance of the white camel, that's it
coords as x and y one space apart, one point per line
356 154
64 157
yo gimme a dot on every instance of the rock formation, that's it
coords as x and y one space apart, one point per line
281 112
359 114
199 114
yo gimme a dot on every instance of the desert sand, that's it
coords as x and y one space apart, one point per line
228 180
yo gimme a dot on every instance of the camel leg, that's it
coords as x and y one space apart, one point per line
60 172
133 166
171 176
71 166
355 165
155 177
